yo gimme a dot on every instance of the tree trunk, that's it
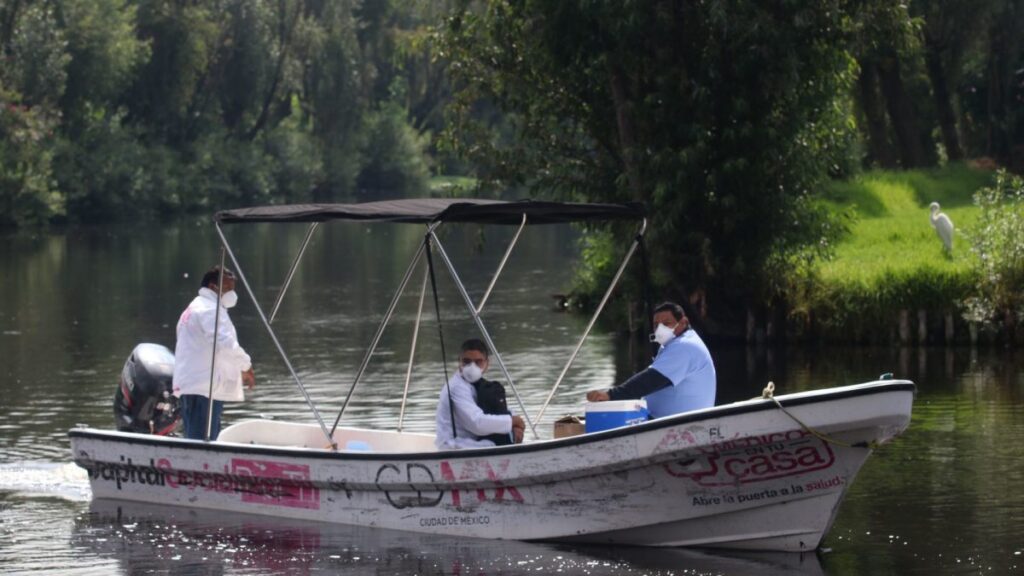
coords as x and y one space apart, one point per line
285 39
901 114
7 27
943 102
879 148
627 137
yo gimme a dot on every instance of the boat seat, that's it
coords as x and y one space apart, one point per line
301 435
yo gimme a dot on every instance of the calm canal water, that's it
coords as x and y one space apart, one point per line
945 498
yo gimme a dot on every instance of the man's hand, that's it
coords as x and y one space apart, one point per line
598 396
518 428
249 378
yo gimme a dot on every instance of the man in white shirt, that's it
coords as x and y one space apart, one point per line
193 355
471 423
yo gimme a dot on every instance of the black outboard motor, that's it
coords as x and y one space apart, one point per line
144 401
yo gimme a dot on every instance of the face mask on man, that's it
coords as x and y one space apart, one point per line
229 299
663 334
471 372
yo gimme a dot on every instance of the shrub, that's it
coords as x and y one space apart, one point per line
998 242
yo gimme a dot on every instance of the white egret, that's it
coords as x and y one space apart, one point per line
943 227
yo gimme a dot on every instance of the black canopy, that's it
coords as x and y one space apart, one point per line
427 210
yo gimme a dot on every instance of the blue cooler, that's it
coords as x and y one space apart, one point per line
615 414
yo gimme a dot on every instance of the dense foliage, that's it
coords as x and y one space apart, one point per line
721 118
726 119
117 108
997 241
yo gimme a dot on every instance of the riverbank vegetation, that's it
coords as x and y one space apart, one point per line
778 147
889 262
115 109
729 121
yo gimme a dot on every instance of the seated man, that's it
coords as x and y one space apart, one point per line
471 424
682 376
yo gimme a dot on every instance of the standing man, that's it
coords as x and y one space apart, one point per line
682 376
471 424
193 355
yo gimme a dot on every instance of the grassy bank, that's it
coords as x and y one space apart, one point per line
891 258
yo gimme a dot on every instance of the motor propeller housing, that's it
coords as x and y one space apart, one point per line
144 402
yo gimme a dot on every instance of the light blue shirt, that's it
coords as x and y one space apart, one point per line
685 361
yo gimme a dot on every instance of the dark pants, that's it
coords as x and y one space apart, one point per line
194 411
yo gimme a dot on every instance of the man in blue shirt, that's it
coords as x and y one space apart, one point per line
682 376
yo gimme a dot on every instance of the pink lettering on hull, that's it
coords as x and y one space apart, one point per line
292 481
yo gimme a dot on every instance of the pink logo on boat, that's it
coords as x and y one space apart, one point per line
280 484
756 459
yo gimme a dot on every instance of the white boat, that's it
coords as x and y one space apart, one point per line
762 474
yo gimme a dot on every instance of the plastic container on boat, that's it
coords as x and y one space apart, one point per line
615 414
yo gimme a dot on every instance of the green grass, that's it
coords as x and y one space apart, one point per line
891 234
891 258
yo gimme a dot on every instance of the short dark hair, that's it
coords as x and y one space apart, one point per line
476 344
677 311
212 276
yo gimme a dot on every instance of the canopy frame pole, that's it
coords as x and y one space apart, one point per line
291 271
273 337
501 265
213 354
380 332
412 347
593 319
480 325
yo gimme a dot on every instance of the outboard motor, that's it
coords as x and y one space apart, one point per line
144 402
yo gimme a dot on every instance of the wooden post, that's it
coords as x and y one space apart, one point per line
904 326
949 328
922 326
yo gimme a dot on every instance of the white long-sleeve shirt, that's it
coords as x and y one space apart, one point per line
470 422
194 349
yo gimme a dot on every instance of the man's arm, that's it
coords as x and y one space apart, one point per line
227 343
641 384
473 418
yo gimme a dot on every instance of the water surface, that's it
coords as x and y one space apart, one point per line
947 497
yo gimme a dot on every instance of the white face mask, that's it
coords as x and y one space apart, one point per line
471 372
663 334
229 299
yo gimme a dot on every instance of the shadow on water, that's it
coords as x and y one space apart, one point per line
142 538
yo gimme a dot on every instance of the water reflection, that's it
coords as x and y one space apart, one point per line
946 497
143 538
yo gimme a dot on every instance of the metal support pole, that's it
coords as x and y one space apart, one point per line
412 348
291 271
501 265
380 332
273 337
213 355
483 329
593 319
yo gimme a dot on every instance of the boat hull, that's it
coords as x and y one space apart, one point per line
745 475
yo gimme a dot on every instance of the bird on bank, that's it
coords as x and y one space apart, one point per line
943 227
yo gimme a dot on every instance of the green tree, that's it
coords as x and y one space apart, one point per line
32 81
720 117
28 195
104 55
